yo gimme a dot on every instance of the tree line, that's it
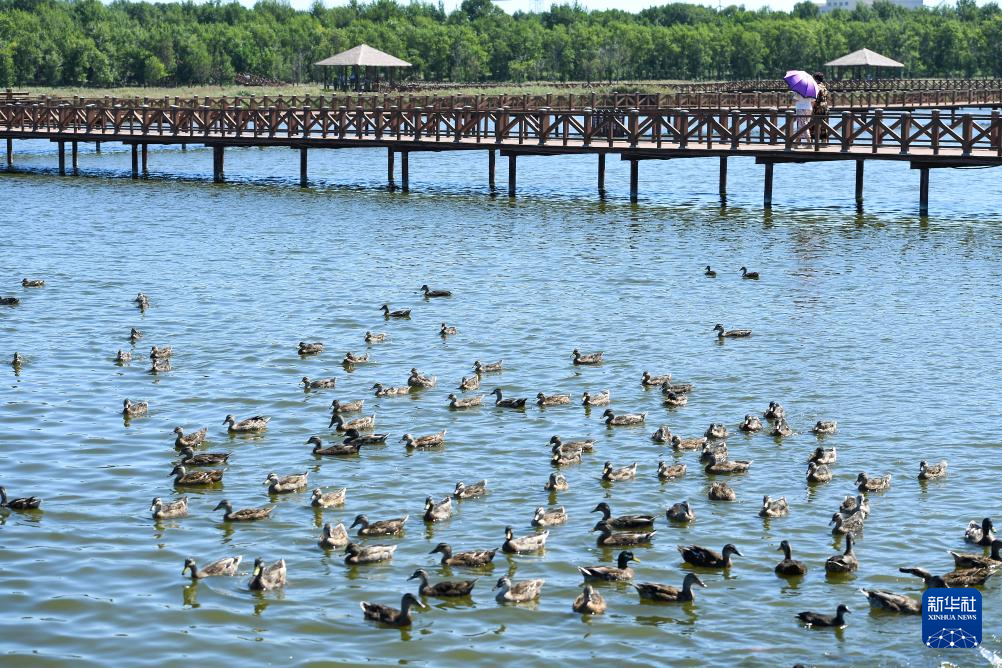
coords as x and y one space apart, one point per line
87 42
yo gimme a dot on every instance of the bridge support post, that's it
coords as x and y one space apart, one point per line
923 191
405 172
722 189
859 184
146 159
184 148
74 151
217 164
10 152
511 175
97 147
767 194
601 174
634 178
135 161
304 167
389 167
62 158
492 159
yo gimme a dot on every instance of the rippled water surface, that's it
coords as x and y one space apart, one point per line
881 321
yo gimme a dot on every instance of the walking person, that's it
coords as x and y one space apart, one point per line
822 106
803 107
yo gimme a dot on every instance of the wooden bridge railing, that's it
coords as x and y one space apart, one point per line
845 85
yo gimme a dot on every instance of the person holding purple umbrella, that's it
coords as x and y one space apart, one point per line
804 89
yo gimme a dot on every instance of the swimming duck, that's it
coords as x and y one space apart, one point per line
334 536
338 406
367 554
851 524
983 535
428 292
930 581
456 403
192 440
590 358
709 273
472 559
647 380
183 478
32 283
865 483
428 441
680 512
314 348
321 499
351 359
160 365
774 507
823 456
965 560
730 333
268 577
286 484
676 388
670 471
562 457
662 435
817 619
421 381
712 452
589 602
727 466
22 503
818 473
672 400
358 424
517 592
679 443
956 578
609 539
489 367
375 337
662 593
855 504
244 514
507 403
751 423
319 384
619 573
623 521
523 544
823 427
135 335
471 383
9 301
753 275
701 556
716 430
164 353
134 410
774 411
928 472
385 614
600 399
624 419
352 437
549 518
845 562
624 473
446 330
470 491
393 527
142 301
781 429
165 511
556 483
336 450
189 458
251 424
885 600
789 565
224 566
443 589
383 391
387 313
552 399
721 491
18 360
577 444
437 512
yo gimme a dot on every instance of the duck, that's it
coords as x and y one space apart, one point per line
469 383
183 478
517 592
367 554
437 512
624 419
9 301
647 380
672 400
716 430
679 443
244 514
142 301
817 619
381 390
618 573
853 504
338 406
295 482
662 435
471 559
455 403
192 440
334 536
135 335
824 456
731 333
561 457
387 313
983 535
390 616
358 424
885 600
428 441
443 589
662 593
609 539
164 353
955 578
713 452
623 473
224 566
852 524
421 381
721 491
268 577
575 444
589 602
428 292
351 359
164 511
774 507
549 518
480 368
18 360
824 427
727 466
865 483
32 283
589 358
544 400
122 357
781 429
352 437
393 527
336 450
23 503
774 411
751 423
623 521
680 512
556 483
189 458
845 562
318 384
600 399
321 499
251 424
818 473
789 566
501 402
375 337
523 544
446 330
314 348
470 491
160 365
676 388
709 273
966 560
701 556
670 471
134 410
753 275
928 472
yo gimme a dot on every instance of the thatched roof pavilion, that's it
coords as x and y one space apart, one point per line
862 59
363 56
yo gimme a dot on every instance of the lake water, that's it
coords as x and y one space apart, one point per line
882 321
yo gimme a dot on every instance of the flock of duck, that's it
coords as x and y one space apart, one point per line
197 468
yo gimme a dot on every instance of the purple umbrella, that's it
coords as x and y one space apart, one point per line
801 82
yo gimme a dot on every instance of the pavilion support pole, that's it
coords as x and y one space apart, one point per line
303 167
722 188
135 161
601 174
10 152
767 191
217 164
511 175
923 191
389 166
859 184
492 159
146 159
62 158
634 179
74 155
405 175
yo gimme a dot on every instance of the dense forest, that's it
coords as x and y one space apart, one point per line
87 42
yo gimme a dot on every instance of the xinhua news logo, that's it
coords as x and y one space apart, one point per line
951 618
